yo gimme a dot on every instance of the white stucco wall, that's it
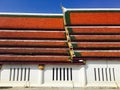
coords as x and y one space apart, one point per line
77 80
103 73
17 75
71 76
93 74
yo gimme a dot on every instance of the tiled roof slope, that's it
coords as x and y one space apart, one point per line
29 21
33 38
94 34
92 17
82 34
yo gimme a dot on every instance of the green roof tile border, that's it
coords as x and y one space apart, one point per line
70 30
77 54
72 37
67 17
74 45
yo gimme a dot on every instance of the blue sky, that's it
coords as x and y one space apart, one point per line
53 6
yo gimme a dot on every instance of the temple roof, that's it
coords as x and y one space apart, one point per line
94 33
78 34
29 37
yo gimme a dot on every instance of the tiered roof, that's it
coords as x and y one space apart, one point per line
32 38
94 33
75 36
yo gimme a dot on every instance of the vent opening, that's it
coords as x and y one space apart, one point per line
104 74
62 74
19 74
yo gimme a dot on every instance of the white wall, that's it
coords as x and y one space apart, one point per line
64 75
97 73
103 73
68 76
20 75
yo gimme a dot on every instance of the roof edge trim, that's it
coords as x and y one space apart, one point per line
30 15
92 9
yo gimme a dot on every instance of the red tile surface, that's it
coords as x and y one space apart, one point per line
77 18
34 23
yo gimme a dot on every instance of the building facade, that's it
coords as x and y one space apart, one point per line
79 48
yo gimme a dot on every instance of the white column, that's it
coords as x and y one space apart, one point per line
41 76
41 73
82 75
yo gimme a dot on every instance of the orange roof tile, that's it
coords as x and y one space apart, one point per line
98 54
95 37
102 45
61 51
30 43
47 43
33 58
32 34
94 30
31 22
77 18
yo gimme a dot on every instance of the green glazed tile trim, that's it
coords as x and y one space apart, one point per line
72 38
74 45
70 30
77 54
67 17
